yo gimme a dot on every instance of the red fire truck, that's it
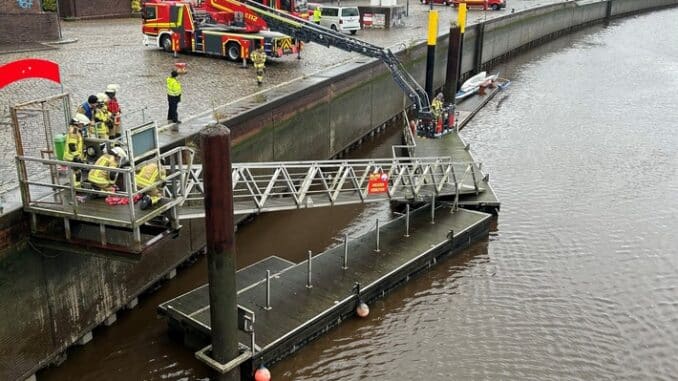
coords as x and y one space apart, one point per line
226 28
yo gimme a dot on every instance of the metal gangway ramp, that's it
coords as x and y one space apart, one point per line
276 186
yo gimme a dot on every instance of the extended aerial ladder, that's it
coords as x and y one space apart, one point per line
307 31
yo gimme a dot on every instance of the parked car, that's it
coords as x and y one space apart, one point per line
485 4
342 19
442 2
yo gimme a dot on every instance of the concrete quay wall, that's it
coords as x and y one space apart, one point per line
497 39
49 300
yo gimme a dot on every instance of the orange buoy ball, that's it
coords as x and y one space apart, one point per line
262 374
362 310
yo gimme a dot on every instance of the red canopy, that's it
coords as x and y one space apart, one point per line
29 68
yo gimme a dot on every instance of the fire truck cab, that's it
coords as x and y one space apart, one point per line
216 27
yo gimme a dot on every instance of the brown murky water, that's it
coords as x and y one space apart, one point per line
578 281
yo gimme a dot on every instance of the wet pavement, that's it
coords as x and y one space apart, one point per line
111 51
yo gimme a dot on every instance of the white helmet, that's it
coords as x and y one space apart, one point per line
113 88
81 118
102 98
119 152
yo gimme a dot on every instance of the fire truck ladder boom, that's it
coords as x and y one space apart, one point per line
275 186
308 31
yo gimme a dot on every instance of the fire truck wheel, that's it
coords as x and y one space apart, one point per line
166 43
233 51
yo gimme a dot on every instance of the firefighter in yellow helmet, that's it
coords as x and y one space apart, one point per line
102 179
259 60
148 175
73 151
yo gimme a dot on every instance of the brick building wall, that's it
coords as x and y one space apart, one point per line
23 21
78 9
15 6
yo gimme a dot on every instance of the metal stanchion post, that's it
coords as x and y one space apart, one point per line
377 249
433 210
345 266
308 280
268 290
407 220
254 348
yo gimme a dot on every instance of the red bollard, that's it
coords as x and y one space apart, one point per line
175 43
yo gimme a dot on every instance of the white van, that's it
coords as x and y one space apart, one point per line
342 19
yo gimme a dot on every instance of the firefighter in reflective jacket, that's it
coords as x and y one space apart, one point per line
113 108
259 60
437 107
102 118
73 151
148 175
102 179
74 140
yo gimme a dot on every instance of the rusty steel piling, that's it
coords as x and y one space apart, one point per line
220 233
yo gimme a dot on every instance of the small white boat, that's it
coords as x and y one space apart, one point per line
465 94
480 79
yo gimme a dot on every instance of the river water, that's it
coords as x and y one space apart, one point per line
579 278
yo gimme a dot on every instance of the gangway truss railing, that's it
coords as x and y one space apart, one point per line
275 186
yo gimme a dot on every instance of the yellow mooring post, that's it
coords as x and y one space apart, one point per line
454 50
461 20
431 53
461 17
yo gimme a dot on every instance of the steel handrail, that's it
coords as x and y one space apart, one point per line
128 174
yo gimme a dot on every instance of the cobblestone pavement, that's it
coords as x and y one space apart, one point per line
110 51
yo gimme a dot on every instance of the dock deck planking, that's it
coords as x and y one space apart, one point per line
97 211
198 298
454 145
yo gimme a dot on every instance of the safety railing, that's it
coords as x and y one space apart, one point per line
60 195
260 187
136 116
408 137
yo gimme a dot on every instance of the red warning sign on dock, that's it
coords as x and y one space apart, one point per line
377 183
